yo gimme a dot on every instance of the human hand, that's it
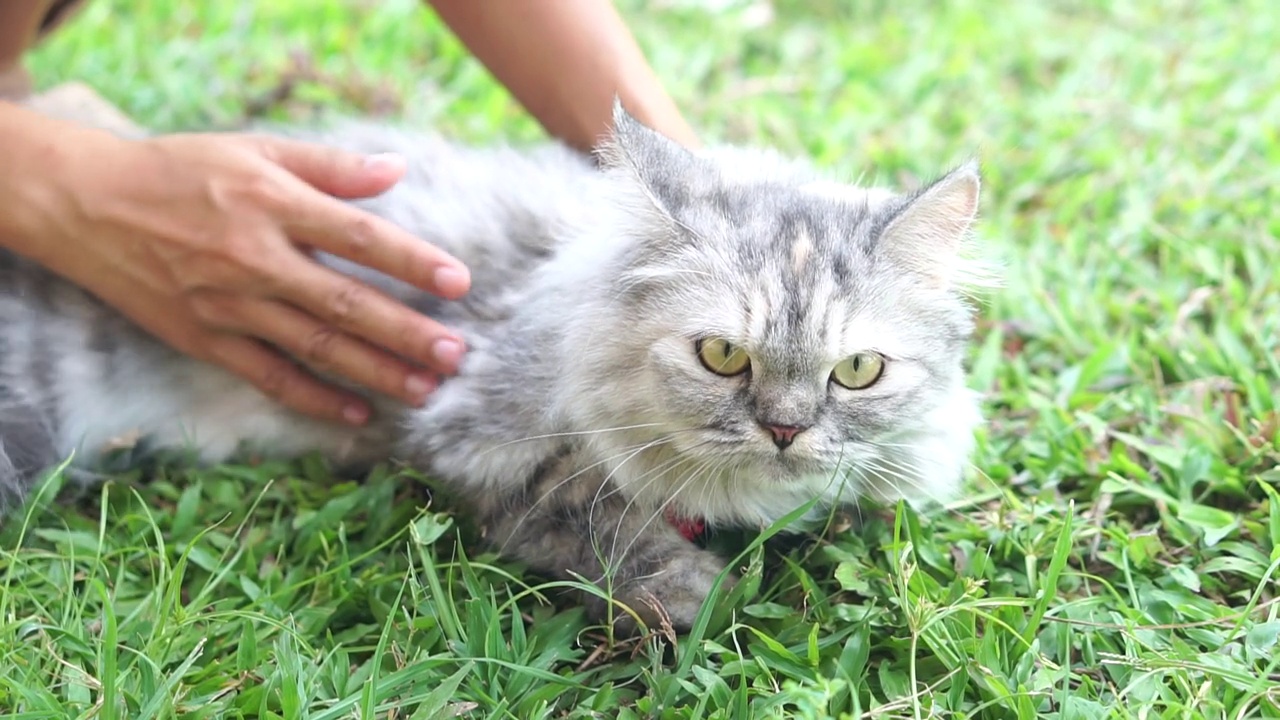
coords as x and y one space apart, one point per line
202 239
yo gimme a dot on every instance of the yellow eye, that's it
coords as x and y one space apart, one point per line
858 371
723 358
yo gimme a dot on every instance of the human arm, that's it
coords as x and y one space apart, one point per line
200 239
565 60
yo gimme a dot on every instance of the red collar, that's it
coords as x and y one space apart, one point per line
690 528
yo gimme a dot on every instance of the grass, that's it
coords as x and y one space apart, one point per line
1116 557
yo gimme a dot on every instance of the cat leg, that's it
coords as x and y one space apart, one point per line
567 522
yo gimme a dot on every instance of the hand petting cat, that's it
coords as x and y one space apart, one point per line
203 239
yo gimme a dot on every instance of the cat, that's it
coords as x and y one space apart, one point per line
657 339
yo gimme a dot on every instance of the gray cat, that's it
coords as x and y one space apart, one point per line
717 337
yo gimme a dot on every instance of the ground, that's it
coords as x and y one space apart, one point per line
1116 555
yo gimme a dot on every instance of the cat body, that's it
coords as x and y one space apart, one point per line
718 335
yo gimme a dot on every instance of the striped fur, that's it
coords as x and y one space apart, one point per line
581 414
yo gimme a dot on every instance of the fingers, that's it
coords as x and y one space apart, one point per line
194 331
326 319
328 349
356 309
285 382
333 171
320 221
376 243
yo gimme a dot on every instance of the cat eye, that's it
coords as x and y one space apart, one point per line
722 357
858 371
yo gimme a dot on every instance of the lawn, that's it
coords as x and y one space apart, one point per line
1118 550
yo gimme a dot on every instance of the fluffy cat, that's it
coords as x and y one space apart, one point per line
717 336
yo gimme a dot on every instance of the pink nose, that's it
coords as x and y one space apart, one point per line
784 435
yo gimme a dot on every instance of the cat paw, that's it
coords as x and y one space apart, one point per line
671 594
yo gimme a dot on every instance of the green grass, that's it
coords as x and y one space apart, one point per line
1117 555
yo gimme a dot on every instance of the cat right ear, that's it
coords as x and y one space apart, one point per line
630 141
660 165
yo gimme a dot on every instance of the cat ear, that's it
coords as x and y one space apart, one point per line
632 141
659 164
928 230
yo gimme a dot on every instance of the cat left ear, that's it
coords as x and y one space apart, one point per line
927 231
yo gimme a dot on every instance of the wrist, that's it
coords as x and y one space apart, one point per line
565 61
46 163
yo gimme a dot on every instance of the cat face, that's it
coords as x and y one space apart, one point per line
776 335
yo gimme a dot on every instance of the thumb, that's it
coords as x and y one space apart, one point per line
336 172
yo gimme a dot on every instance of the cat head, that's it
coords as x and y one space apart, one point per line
775 336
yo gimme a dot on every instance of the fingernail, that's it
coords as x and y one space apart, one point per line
355 414
451 279
419 386
384 161
447 351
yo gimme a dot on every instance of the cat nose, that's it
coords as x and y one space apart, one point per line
783 435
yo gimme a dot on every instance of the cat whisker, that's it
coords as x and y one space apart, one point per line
667 463
907 469
708 481
843 473
660 510
708 485
574 433
598 498
657 473
613 557
881 443
661 507
861 478
897 475
617 488
863 481
705 473
883 471
633 450
917 470
846 467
